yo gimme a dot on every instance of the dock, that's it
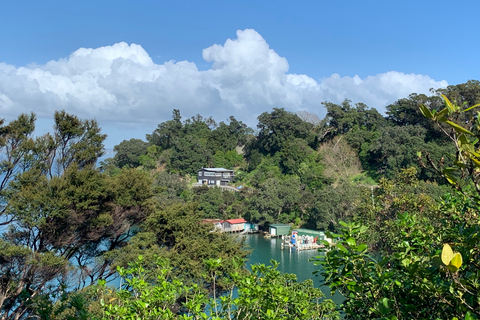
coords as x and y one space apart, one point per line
308 245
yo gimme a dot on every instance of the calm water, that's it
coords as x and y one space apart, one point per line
291 261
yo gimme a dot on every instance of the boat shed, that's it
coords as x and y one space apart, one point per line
234 225
218 223
279 229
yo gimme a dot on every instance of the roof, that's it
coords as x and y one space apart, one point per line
235 221
280 225
217 169
212 220
309 232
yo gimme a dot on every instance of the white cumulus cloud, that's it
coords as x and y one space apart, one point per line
121 83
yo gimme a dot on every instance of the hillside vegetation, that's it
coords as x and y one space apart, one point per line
399 192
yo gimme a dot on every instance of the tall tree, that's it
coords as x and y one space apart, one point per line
129 152
276 127
59 213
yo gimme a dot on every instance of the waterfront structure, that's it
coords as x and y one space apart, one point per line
320 235
215 176
218 223
234 225
279 229
251 227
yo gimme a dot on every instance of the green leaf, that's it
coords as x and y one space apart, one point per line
342 248
426 112
363 229
458 128
452 268
351 241
361 247
405 262
436 261
442 115
383 306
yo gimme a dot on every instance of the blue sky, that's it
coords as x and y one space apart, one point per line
220 58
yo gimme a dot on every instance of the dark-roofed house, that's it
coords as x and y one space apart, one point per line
215 176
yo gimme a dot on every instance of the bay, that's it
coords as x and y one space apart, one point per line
291 260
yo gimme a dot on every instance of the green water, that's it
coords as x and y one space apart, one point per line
291 260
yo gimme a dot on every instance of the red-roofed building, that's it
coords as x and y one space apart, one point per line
234 225
218 223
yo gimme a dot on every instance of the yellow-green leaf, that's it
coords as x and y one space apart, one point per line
426 112
448 103
442 115
458 128
447 254
456 260
442 112
468 109
477 163
451 179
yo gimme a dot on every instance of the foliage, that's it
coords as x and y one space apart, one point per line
265 293
175 232
150 159
277 127
129 152
274 200
425 263
198 142
169 187
380 206
340 160
149 294
57 208
408 284
228 160
190 154
216 203
333 204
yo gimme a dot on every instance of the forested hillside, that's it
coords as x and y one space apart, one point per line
296 168
403 187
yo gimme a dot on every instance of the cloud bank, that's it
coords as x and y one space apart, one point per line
122 84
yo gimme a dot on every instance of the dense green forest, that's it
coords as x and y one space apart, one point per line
399 192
